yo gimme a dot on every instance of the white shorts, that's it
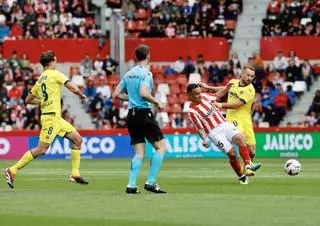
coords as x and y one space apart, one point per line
222 136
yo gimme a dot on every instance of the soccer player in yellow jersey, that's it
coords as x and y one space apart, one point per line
47 93
240 99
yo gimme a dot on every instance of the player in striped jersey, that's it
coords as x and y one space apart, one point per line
210 123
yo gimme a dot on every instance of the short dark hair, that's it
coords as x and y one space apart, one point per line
142 52
47 57
191 87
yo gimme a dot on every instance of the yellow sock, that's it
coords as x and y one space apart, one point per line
75 157
23 161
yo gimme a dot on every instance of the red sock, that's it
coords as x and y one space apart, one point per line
235 163
244 153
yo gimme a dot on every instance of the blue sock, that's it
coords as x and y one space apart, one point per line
155 165
136 164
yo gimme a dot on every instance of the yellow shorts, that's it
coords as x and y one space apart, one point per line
53 126
247 129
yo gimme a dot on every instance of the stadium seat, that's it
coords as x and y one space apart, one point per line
304 21
286 84
299 86
172 99
141 14
171 79
175 108
113 79
182 98
174 89
141 25
194 78
231 24
78 80
156 69
182 79
161 97
163 88
159 79
186 106
130 25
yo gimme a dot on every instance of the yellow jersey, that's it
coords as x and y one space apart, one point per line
245 94
48 87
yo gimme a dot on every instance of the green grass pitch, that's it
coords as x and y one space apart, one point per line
200 192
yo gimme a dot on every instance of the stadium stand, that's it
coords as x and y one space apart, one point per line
313 114
292 18
179 19
278 85
47 19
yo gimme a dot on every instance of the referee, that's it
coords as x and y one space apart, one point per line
136 87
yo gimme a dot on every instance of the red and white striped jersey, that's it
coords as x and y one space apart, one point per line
205 115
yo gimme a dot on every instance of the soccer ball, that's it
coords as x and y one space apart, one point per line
292 167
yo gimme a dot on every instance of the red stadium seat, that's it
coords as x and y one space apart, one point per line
179 2
141 14
159 79
130 26
182 79
156 69
113 79
172 99
141 25
175 108
183 88
231 24
182 98
174 89
171 79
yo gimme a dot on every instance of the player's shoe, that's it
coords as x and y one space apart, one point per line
155 188
255 166
244 180
10 177
78 180
248 171
130 190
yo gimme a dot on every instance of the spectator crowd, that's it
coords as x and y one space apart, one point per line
292 18
182 18
47 19
276 84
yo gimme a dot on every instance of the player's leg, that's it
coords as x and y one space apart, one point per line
47 135
135 167
76 140
236 137
30 155
134 125
219 138
155 137
251 143
239 140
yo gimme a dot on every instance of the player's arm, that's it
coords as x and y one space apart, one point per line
233 105
33 97
145 94
74 89
119 93
243 99
34 100
222 92
211 88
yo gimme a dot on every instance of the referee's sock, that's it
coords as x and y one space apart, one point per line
155 166
136 164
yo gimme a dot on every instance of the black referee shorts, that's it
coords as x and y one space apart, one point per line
142 125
